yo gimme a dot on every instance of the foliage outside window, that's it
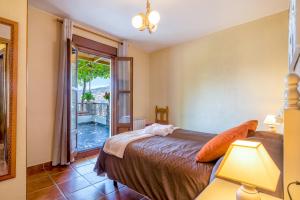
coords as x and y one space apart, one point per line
88 71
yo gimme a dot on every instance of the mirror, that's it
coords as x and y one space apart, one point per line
8 98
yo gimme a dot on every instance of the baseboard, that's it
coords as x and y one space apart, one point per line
88 153
48 165
38 168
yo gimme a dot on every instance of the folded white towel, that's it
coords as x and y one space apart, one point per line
160 130
117 144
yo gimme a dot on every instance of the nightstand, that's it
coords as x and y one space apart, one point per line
224 190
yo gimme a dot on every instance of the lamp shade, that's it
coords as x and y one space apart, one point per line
138 21
154 17
249 163
271 120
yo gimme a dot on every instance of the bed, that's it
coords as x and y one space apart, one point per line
164 168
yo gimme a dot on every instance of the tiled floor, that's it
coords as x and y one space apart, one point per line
76 182
91 135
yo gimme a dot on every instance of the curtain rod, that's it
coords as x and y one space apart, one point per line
92 32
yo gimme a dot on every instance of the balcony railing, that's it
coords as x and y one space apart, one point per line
101 109
96 112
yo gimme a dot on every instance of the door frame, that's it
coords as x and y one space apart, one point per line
96 48
93 47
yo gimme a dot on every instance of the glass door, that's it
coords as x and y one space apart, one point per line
123 95
73 100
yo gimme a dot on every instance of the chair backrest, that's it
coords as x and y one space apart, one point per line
162 115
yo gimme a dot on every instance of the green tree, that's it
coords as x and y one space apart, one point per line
89 70
88 96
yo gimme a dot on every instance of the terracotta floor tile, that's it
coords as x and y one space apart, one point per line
123 194
73 185
85 169
62 198
57 169
94 160
94 178
35 176
145 198
77 182
107 186
81 162
39 183
89 193
65 176
49 193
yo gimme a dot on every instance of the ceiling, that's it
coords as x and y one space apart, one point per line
181 20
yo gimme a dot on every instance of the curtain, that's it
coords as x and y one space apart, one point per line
123 49
123 116
61 144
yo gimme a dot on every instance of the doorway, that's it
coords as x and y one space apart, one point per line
93 100
100 94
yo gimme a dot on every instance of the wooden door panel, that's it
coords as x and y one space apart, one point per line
122 95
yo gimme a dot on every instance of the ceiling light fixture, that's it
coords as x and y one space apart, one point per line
149 20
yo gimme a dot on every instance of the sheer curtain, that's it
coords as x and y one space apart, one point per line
123 49
123 115
61 145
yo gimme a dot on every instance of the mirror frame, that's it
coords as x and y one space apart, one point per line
11 131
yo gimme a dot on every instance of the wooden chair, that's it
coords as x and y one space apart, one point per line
162 115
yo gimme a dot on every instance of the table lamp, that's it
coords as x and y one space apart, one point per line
272 121
250 164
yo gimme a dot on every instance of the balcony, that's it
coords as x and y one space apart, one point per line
93 125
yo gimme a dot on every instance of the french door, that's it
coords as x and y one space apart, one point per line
121 87
122 95
72 99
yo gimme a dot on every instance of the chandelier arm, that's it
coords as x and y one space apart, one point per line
148 6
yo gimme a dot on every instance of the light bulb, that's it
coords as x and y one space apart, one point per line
138 21
154 17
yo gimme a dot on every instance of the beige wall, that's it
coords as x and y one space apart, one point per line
43 58
140 82
43 55
217 81
15 189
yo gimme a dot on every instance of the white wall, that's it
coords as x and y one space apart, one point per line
15 189
43 46
220 80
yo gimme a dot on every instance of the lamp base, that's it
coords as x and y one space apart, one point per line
246 192
272 129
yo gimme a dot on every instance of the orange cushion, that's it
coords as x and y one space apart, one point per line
217 146
252 125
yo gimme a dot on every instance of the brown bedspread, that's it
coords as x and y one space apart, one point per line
161 167
164 168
